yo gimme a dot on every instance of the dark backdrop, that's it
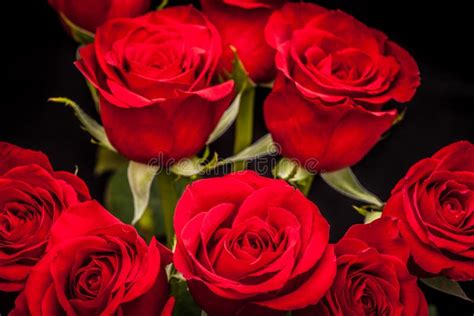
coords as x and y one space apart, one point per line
37 64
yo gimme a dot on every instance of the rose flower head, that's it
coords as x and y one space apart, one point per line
249 245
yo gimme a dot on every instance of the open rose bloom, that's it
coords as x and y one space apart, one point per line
252 245
155 75
32 197
180 224
435 202
97 265
335 76
372 277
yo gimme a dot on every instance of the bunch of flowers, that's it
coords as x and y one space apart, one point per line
174 238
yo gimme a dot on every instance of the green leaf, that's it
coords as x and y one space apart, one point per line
400 117
226 121
108 161
119 201
183 182
345 182
239 74
118 197
162 5
433 310
79 34
261 147
372 216
193 166
94 94
185 305
447 286
361 210
290 171
88 123
140 178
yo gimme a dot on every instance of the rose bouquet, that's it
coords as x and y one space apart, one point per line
186 230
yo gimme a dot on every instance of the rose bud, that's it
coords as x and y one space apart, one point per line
96 265
32 197
155 77
372 277
90 14
249 245
435 205
241 24
334 77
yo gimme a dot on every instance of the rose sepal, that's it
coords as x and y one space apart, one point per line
290 171
90 125
447 286
79 34
345 182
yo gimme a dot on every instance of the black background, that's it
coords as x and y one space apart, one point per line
36 64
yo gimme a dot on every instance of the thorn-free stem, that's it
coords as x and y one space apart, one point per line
168 198
244 123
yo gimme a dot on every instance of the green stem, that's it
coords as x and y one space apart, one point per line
95 95
168 198
306 186
244 123
162 5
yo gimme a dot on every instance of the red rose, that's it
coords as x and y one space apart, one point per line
89 14
96 265
248 245
32 196
435 203
335 75
372 278
241 24
155 78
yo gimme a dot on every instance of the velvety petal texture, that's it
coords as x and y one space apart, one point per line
435 205
335 78
32 197
241 24
249 245
96 265
156 78
321 137
372 277
90 14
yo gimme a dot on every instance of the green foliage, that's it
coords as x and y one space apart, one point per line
447 286
140 178
108 161
290 171
119 201
185 305
345 182
79 34
88 123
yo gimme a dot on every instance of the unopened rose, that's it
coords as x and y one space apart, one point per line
241 24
